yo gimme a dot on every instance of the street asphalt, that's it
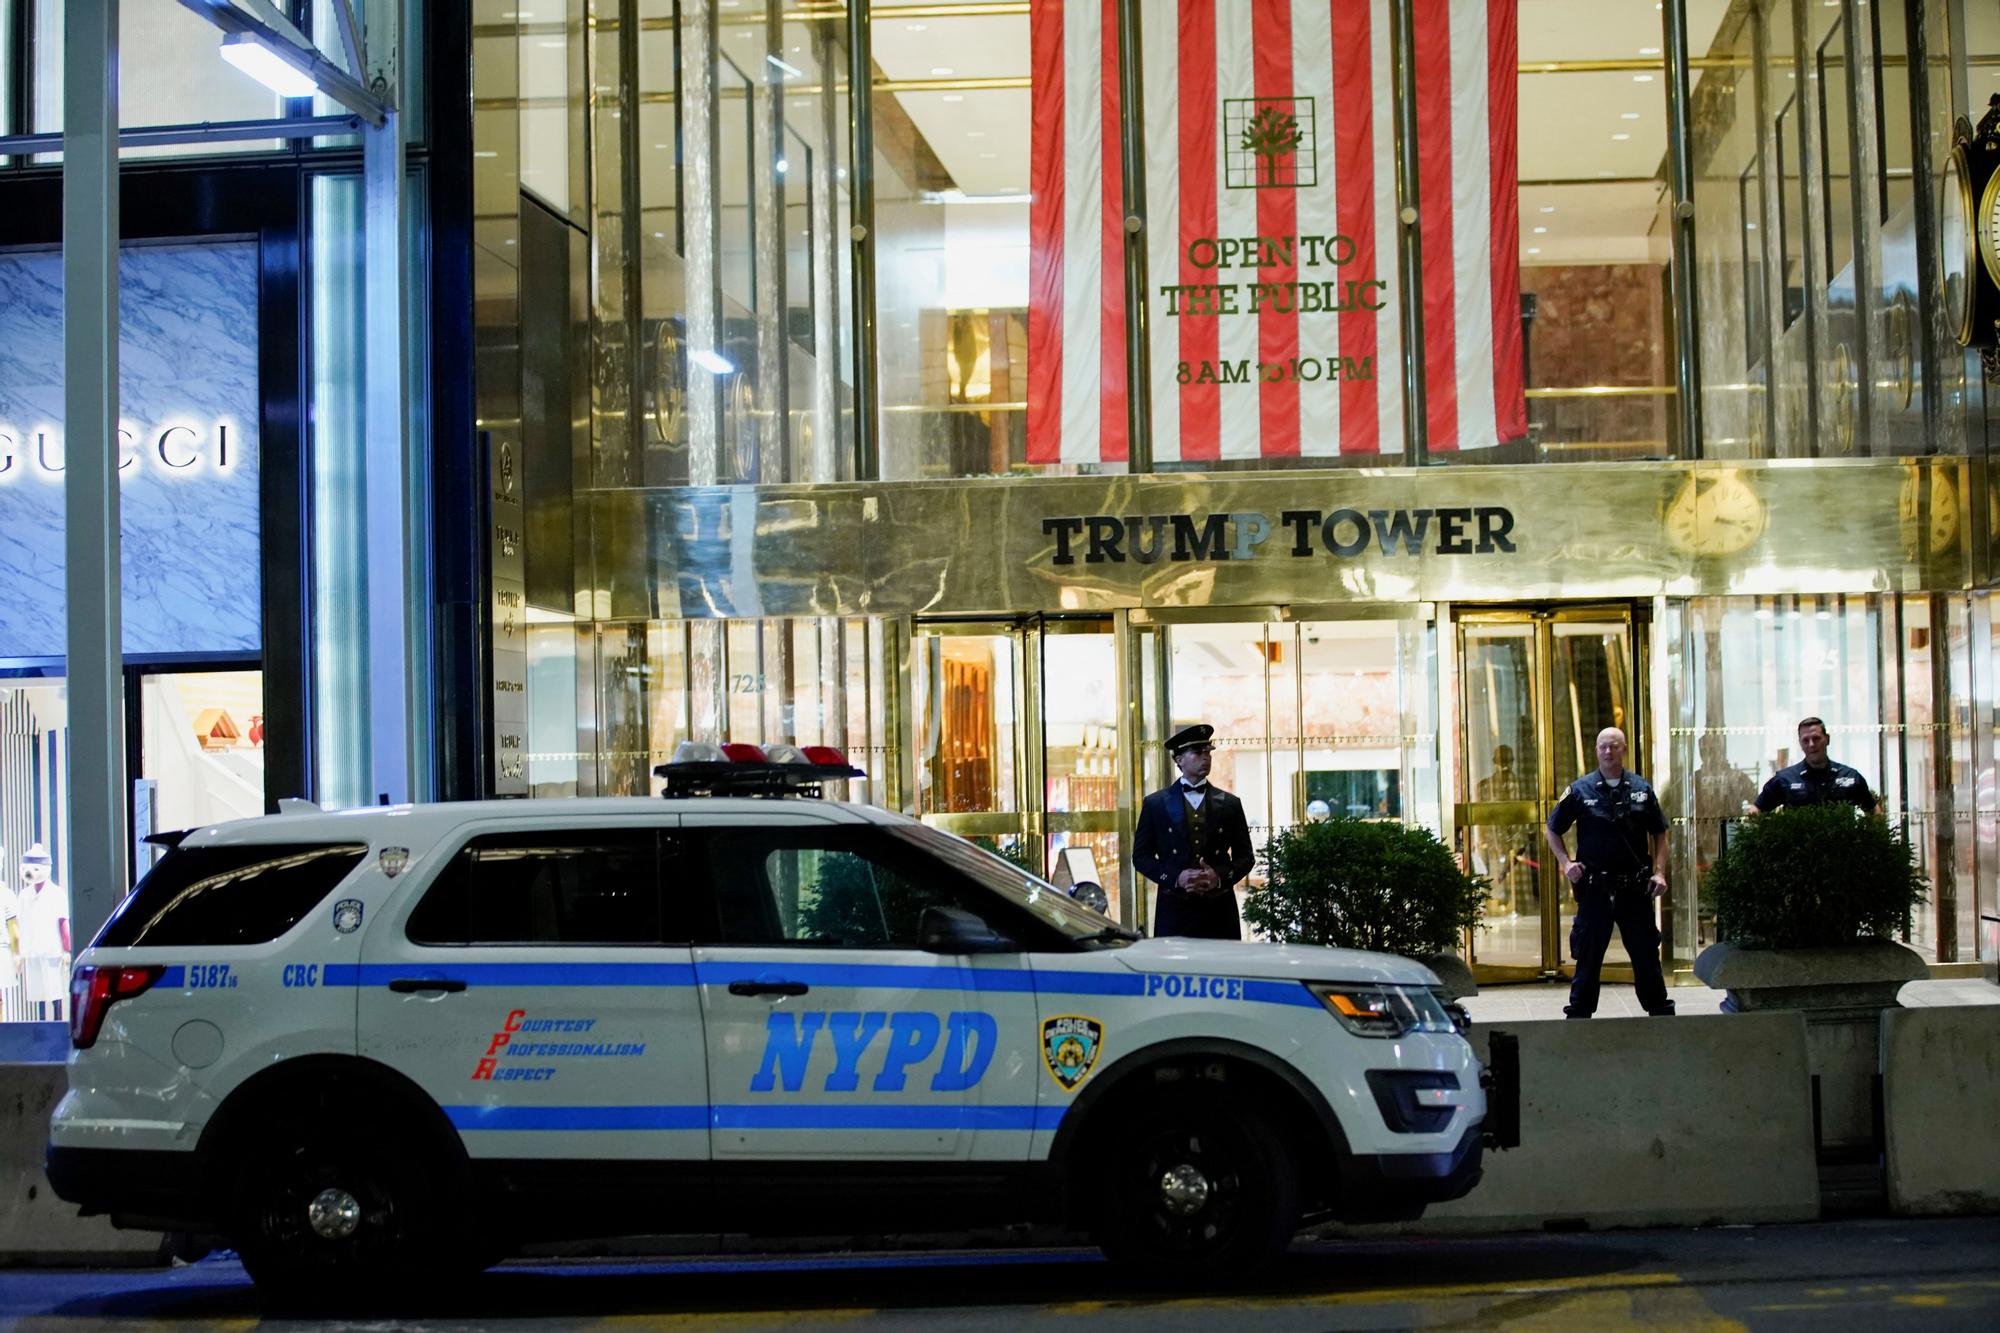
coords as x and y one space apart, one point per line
1874 1275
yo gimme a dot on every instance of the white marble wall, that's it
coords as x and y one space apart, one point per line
188 373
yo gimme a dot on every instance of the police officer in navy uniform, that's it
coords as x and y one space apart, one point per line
1815 778
1619 869
1194 842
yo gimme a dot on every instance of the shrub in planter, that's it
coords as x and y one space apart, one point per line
1806 899
1813 877
1359 884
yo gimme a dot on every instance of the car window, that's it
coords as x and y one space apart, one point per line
228 895
831 886
554 886
1038 898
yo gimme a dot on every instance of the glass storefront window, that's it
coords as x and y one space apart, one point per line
169 73
1594 247
34 818
951 229
202 747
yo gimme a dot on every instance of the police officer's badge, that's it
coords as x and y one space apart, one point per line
1070 1045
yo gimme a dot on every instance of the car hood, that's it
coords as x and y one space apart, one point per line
1284 962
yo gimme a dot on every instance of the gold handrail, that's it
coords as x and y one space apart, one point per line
1605 391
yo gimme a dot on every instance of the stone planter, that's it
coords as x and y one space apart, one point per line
1842 993
1866 975
1454 972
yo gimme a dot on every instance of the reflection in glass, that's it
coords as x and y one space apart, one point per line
966 694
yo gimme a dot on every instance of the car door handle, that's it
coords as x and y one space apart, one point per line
768 988
418 985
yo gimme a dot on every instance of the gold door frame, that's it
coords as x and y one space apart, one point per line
1550 766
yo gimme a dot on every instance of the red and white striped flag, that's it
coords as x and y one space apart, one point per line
1271 229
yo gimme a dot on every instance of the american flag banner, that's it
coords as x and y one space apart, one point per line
1271 229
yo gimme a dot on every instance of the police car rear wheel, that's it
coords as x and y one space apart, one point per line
328 1212
1199 1187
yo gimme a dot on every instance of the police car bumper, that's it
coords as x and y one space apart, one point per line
146 1189
1399 1186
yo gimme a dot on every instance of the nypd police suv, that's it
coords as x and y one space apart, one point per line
378 1043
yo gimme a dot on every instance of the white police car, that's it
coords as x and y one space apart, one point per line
379 1043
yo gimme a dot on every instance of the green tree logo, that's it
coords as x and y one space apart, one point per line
1269 135
1268 143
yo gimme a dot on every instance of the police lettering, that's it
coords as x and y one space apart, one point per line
1195 988
302 974
891 1045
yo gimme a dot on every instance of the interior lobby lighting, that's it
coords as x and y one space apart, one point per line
1621 137
942 71
1642 78
712 362
790 71
263 64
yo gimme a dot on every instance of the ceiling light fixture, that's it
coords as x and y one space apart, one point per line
1620 138
942 71
1642 78
1540 230
266 66
954 97
790 71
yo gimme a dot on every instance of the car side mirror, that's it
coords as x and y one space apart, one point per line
953 930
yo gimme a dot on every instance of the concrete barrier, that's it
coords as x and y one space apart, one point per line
1941 1109
35 1226
1635 1122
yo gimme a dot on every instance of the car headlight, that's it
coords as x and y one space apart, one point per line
1382 1011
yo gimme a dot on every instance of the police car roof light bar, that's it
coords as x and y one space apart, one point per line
736 769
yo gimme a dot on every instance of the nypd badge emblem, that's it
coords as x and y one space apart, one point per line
1070 1045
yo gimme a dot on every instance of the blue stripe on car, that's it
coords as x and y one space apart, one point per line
762 1116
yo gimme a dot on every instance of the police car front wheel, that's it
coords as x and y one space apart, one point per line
1202 1187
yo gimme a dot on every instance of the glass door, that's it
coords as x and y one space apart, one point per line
1016 736
1536 685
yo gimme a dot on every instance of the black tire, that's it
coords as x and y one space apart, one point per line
337 1153
1233 1206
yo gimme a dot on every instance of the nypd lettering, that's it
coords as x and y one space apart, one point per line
886 1048
1070 1044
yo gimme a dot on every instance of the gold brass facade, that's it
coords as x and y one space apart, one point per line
982 548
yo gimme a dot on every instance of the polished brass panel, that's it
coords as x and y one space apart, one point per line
981 823
1081 821
1499 812
1580 530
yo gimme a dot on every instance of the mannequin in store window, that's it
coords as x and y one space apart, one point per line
1194 842
40 938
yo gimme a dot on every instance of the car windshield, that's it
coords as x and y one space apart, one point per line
1048 903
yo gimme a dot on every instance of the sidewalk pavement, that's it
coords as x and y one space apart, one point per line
1532 1001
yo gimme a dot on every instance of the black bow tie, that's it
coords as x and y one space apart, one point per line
1189 786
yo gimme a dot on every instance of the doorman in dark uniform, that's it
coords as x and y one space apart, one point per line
1194 842
1815 778
1619 869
